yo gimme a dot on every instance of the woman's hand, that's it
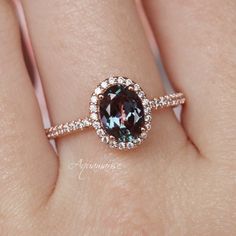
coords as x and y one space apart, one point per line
181 181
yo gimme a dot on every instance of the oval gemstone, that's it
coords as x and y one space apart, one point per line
121 113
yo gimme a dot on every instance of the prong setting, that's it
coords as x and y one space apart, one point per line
100 96
130 87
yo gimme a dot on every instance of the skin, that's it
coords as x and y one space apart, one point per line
182 181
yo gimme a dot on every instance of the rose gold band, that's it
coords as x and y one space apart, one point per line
171 100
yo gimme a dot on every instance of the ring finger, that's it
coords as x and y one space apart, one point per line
77 45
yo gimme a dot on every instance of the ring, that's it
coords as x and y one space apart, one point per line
120 113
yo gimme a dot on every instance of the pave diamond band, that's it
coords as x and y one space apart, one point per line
170 100
67 128
120 113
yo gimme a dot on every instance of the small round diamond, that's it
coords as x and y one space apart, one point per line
113 144
72 126
100 132
83 123
120 80
129 82
137 141
141 94
94 99
143 135
66 127
162 101
148 118
130 145
96 125
78 124
145 102
105 139
104 84
136 87
147 110
60 126
112 80
98 90
148 126
87 122
93 108
121 145
94 116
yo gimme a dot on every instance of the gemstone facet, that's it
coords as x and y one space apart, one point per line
121 113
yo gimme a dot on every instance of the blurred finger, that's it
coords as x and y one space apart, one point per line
28 167
197 41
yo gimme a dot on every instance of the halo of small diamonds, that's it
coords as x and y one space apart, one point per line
95 118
